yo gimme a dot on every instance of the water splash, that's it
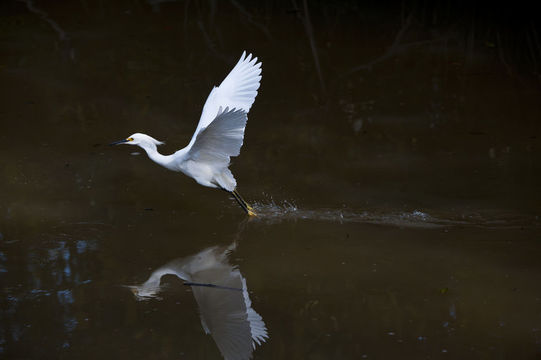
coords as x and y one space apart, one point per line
287 211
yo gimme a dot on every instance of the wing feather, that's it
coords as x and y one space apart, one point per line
231 321
237 91
221 139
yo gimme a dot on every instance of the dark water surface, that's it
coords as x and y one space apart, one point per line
394 163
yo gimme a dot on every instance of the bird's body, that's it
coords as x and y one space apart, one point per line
222 296
219 134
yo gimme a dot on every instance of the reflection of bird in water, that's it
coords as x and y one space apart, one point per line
222 296
219 134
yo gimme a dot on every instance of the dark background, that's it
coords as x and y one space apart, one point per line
392 151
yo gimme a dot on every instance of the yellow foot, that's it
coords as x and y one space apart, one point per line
251 212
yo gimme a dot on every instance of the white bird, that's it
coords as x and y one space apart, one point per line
219 134
220 291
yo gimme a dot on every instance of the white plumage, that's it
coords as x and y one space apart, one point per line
219 134
221 293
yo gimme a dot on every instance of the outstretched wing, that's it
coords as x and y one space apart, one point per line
220 140
227 315
237 91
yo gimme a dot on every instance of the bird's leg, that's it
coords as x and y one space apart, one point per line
250 210
241 199
212 286
243 204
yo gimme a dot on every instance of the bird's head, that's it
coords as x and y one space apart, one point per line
144 293
138 139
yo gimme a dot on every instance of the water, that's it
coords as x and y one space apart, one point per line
398 187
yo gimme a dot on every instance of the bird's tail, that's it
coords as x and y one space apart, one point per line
226 180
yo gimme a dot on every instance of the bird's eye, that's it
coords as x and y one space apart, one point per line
130 139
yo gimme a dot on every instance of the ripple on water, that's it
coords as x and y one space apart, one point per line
272 212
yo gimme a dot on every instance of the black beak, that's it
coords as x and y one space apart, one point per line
119 142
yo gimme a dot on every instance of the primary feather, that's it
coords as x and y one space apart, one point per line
237 91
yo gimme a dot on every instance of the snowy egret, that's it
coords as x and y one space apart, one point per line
220 291
219 134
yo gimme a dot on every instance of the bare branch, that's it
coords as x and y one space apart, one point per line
45 17
305 19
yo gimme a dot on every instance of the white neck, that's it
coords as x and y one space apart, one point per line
154 155
154 280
